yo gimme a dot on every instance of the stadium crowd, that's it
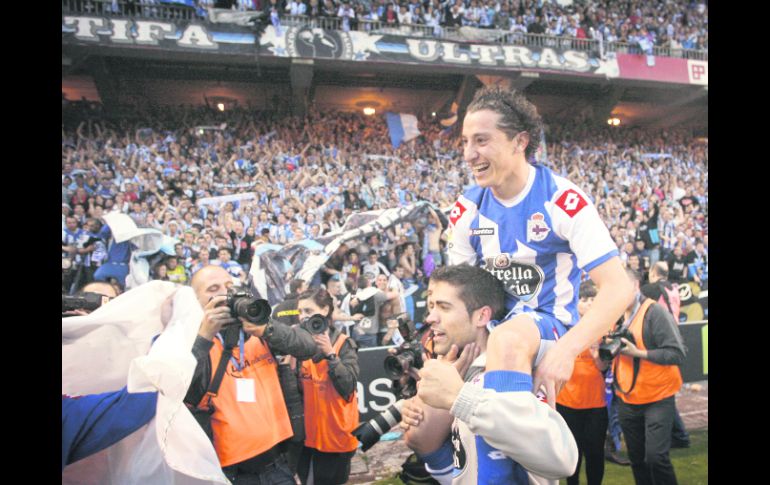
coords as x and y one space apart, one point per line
308 176
219 183
674 24
678 24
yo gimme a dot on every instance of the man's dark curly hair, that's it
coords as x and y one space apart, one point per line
517 114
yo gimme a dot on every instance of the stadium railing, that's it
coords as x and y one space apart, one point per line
172 11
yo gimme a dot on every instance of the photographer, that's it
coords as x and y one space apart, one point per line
452 424
89 297
647 378
331 411
247 414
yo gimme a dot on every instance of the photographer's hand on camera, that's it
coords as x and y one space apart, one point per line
631 350
323 343
600 364
215 316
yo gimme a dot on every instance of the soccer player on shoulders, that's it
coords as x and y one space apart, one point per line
535 231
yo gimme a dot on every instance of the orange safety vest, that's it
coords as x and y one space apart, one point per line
655 381
585 389
329 419
243 430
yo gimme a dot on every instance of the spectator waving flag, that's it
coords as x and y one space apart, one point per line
305 258
137 389
402 127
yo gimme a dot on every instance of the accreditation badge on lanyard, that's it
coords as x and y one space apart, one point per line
245 389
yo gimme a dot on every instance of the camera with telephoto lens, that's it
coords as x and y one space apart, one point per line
608 350
408 356
243 305
315 324
369 433
87 301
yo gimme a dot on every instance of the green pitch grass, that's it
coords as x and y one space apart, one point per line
691 465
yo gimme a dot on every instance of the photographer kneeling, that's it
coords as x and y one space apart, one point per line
461 412
329 383
242 393
647 351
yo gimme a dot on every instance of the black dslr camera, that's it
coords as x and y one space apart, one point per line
408 355
243 305
609 350
315 324
87 301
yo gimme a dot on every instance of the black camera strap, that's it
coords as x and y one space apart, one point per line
230 340
637 360
616 384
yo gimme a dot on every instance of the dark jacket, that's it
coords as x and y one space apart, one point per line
284 340
661 337
344 370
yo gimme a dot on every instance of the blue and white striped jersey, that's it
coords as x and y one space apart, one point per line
536 243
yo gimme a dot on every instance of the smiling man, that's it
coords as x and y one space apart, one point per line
461 410
535 231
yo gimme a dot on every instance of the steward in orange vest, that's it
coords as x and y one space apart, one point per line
581 402
647 378
329 385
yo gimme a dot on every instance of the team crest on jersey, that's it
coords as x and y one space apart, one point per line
537 229
457 212
483 231
521 280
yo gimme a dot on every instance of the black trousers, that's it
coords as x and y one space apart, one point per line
328 468
269 468
647 428
679 432
589 427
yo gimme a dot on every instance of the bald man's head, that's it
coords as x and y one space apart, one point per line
101 288
658 271
210 281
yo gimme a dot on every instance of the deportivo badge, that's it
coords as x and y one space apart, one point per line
537 229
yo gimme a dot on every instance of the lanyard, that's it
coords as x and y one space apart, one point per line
240 348
637 305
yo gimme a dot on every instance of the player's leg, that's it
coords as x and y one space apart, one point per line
513 348
514 344
519 343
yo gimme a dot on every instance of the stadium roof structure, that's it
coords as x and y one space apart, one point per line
124 60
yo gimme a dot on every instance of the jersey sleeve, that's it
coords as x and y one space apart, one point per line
516 423
576 220
459 249
94 422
